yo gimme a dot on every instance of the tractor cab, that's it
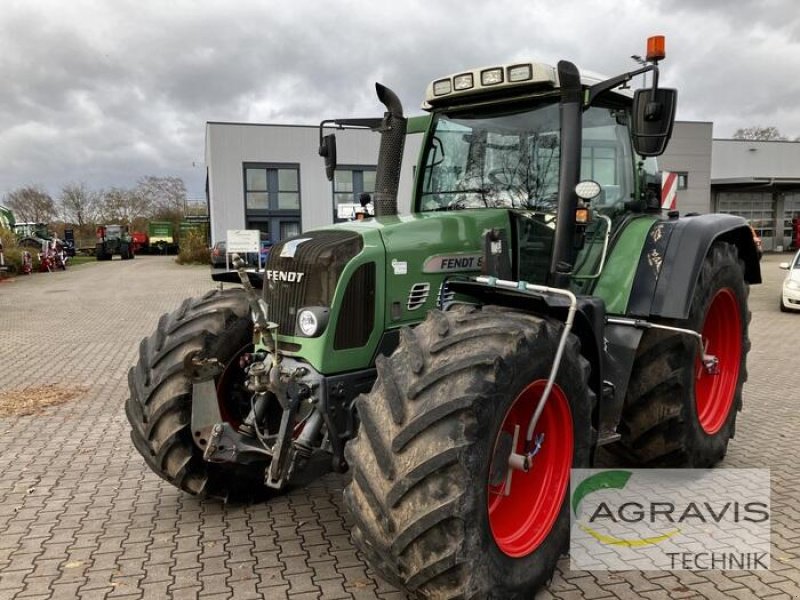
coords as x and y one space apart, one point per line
565 151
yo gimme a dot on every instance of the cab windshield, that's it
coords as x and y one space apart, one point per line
512 160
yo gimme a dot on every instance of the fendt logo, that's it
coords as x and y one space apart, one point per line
290 276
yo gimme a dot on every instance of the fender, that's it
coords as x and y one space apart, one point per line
672 256
588 327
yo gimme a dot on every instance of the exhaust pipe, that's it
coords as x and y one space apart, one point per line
390 155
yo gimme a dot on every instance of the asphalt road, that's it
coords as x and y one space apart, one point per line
81 516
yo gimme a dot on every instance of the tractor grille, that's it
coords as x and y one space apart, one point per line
307 273
357 315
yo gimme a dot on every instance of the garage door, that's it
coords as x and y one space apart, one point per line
757 208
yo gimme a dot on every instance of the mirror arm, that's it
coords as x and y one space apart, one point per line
655 77
373 123
610 84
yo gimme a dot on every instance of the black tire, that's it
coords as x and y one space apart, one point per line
783 306
420 464
160 402
661 425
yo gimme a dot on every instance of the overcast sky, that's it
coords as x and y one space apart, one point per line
107 91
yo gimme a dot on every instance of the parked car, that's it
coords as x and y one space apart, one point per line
790 297
251 258
218 255
266 246
259 261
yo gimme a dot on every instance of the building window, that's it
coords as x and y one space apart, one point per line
348 185
683 180
272 199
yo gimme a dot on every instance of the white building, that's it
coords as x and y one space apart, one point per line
761 182
271 178
689 155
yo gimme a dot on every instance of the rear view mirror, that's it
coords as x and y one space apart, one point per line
327 150
653 117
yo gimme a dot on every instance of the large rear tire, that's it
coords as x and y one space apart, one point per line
430 460
677 413
160 403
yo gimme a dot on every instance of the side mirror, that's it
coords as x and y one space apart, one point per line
653 117
327 150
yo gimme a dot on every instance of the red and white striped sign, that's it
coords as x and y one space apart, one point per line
669 190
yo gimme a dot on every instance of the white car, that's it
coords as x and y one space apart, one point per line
790 298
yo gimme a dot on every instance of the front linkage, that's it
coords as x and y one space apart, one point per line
300 392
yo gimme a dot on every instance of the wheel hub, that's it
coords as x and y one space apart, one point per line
718 366
711 364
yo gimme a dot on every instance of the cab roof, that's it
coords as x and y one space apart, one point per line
514 77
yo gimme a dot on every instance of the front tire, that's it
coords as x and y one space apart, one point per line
677 413
160 403
430 461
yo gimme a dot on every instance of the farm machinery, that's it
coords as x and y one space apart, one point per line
114 239
458 362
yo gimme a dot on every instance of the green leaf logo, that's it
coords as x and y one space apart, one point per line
599 481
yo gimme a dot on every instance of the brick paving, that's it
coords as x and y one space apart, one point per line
82 517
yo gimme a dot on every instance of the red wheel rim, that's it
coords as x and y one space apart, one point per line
521 521
230 376
722 338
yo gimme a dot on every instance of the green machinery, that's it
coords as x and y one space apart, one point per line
33 236
458 361
113 239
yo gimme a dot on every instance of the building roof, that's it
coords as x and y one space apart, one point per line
755 162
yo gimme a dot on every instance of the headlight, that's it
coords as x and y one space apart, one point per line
463 82
442 87
312 321
793 285
492 76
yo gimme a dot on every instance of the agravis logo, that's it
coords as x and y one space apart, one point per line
670 519
603 481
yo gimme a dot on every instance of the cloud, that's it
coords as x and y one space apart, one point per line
108 92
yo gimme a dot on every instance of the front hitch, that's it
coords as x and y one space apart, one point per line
267 378
216 438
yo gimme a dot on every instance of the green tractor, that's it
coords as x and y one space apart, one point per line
32 236
113 239
459 361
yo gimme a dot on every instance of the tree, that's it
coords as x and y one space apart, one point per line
120 205
31 204
166 196
766 134
79 205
